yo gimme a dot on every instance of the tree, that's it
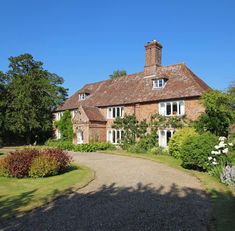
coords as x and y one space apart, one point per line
231 89
65 126
219 113
117 74
31 94
2 104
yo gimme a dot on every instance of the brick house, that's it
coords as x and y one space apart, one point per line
172 90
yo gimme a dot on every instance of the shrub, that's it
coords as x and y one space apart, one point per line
19 162
156 151
196 150
104 146
179 137
61 157
43 166
4 167
144 144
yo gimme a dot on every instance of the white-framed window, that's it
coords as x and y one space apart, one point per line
73 113
172 108
80 138
164 136
114 112
158 83
114 136
58 115
83 96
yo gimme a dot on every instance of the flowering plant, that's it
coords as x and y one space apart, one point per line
221 151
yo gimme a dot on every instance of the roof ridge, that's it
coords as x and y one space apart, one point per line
176 64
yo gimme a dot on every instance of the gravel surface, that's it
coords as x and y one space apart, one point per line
127 194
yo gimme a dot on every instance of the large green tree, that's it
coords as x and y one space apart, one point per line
117 74
219 113
2 104
31 94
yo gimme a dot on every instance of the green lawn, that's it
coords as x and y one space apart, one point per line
222 197
21 195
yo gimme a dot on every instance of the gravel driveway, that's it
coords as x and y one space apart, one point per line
127 194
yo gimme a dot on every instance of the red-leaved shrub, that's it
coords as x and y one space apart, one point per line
60 156
19 162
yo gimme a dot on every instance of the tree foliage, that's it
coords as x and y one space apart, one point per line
231 89
31 93
2 104
117 74
219 113
65 126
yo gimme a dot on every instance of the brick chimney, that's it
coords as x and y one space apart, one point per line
153 57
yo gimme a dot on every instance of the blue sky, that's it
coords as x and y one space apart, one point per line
85 41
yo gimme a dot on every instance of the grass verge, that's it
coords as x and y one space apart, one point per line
222 197
22 195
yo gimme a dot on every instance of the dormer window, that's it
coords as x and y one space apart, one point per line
158 83
83 96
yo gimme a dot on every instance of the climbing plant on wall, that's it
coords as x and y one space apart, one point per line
64 125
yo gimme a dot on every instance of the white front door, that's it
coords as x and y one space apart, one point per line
80 137
164 137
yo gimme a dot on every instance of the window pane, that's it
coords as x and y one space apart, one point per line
154 83
168 136
114 112
122 134
168 108
114 136
121 112
175 108
118 136
162 109
118 111
181 108
160 83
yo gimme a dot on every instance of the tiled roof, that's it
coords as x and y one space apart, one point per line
93 113
137 88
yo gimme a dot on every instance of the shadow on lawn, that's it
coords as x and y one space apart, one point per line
118 208
10 205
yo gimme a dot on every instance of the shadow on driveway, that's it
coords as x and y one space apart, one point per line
120 208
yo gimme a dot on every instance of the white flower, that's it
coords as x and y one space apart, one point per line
217 147
214 163
222 138
230 144
214 159
222 144
225 151
213 152
210 158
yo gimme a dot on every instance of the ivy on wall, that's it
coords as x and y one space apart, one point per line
64 125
